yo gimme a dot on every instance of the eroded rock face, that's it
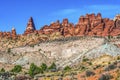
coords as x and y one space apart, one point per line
7 34
11 34
30 27
109 26
116 26
65 22
53 27
1 34
88 25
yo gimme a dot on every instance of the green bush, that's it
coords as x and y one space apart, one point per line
89 73
105 77
118 58
43 67
2 70
34 70
110 67
17 69
53 67
67 68
85 59
90 63
97 66
9 50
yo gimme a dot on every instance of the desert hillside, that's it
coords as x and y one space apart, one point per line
89 50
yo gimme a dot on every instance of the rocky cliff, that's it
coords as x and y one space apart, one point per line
88 25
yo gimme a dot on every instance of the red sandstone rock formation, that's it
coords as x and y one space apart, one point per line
7 34
13 33
109 25
54 27
30 26
91 24
88 25
1 34
65 22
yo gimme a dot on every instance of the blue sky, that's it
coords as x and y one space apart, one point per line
15 13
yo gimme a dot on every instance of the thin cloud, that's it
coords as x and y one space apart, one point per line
104 7
107 11
65 12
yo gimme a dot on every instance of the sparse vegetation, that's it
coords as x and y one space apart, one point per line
17 69
97 66
2 70
32 45
110 67
109 37
83 68
9 50
51 71
118 58
105 77
34 70
85 59
53 67
39 50
90 63
67 68
89 73
43 67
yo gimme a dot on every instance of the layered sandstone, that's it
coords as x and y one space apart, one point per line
11 34
30 26
88 25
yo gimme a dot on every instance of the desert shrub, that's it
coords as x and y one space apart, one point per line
43 67
89 73
32 46
110 67
118 76
34 70
5 76
90 63
118 58
2 70
53 66
83 68
105 77
109 62
39 50
85 59
97 66
67 68
109 37
17 69
8 50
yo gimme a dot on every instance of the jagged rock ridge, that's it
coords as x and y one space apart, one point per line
88 25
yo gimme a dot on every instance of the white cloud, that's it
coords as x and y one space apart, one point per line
108 11
104 7
65 12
